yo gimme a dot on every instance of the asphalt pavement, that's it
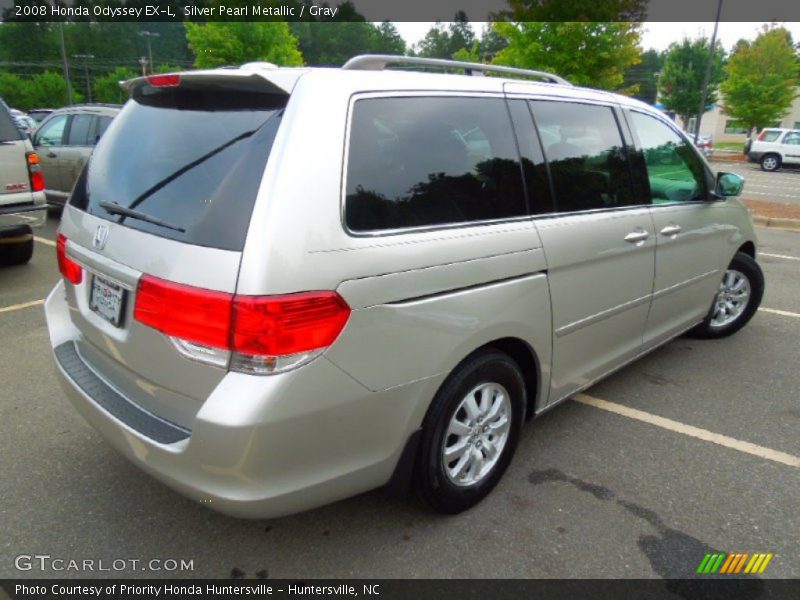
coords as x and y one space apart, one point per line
780 186
590 493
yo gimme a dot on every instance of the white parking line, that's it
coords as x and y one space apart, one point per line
783 313
691 431
21 306
42 240
784 256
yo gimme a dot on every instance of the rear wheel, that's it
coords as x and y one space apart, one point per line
736 301
771 162
471 432
16 249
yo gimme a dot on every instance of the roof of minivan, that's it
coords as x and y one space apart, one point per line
286 78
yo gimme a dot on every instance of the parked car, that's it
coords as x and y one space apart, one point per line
22 202
775 147
65 139
291 285
703 143
38 114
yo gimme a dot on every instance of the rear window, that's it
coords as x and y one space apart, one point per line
192 159
417 162
8 129
770 135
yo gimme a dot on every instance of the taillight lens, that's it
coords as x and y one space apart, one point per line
164 80
264 334
189 313
35 171
69 268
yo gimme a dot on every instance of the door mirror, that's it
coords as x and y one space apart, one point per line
729 184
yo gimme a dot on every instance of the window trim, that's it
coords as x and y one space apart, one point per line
423 228
712 197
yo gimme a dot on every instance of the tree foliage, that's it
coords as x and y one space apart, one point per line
444 41
44 90
107 89
643 77
681 80
594 54
218 44
762 79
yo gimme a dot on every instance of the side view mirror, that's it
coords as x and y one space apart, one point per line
729 184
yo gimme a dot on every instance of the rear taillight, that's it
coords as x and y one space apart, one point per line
259 334
69 268
35 171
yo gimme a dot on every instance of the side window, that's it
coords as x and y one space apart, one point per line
675 172
416 162
586 155
52 134
79 130
102 125
537 183
792 138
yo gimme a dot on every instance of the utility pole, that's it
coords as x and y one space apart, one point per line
143 62
64 62
86 58
707 77
148 35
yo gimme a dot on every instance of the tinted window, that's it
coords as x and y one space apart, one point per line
675 172
79 130
416 162
537 183
586 155
769 135
52 132
193 159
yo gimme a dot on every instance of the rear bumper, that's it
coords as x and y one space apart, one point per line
259 447
33 214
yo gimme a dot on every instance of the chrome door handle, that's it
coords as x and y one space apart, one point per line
636 236
671 230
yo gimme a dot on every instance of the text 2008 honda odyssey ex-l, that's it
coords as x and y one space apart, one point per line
282 287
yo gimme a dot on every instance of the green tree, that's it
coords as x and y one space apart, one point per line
594 54
645 76
445 41
388 40
107 88
681 80
13 89
232 43
762 79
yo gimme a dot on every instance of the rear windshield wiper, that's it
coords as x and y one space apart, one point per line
116 209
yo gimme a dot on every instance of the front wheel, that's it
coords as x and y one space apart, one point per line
471 432
736 301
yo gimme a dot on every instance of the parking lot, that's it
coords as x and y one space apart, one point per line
693 449
781 186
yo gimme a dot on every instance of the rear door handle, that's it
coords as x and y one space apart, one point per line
637 236
671 230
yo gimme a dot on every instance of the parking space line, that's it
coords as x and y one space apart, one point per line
783 313
690 430
784 256
45 241
21 306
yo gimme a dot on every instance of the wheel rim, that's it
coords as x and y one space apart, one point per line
770 163
477 434
732 298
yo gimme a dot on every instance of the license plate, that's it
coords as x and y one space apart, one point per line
107 300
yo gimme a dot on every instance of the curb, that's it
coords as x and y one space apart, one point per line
776 222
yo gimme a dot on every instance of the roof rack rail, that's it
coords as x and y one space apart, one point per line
378 62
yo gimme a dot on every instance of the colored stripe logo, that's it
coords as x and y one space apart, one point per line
734 563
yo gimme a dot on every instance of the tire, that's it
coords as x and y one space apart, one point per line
493 381
770 162
726 318
16 253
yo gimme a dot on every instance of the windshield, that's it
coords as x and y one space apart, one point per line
191 159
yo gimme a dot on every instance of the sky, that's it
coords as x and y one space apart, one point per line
656 35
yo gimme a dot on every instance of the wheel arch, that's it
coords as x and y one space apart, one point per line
748 248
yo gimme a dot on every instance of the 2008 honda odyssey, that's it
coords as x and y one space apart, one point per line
282 287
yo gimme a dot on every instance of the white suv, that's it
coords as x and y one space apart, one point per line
775 147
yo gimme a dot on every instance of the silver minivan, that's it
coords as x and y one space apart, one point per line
286 286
